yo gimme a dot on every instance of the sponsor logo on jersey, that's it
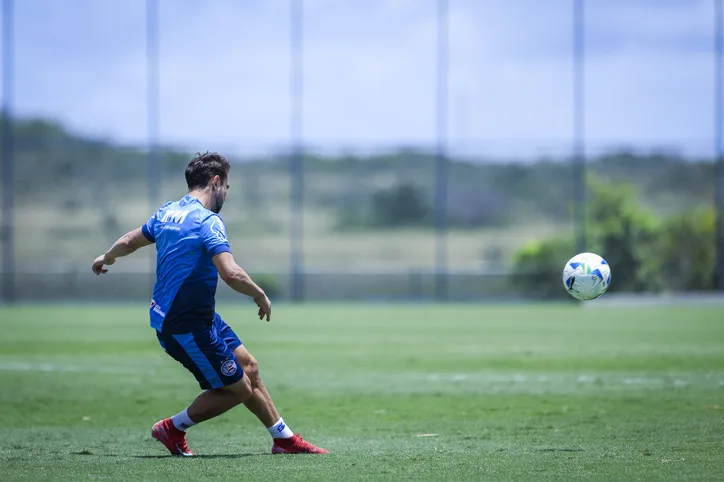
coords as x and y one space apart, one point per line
175 216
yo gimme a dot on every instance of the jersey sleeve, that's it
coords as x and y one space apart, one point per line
213 234
149 228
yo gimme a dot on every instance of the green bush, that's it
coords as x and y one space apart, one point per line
688 250
538 268
626 235
644 252
401 205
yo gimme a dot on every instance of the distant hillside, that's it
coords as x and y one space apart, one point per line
50 161
76 195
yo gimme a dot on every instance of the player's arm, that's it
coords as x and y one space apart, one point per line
125 245
233 275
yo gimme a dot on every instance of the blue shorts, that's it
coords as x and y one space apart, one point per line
207 353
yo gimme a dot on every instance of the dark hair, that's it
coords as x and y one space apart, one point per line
205 166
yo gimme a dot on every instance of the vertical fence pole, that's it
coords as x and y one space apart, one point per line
296 167
579 146
441 157
152 108
8 155
719 142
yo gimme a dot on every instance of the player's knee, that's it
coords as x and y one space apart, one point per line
251 369
241 390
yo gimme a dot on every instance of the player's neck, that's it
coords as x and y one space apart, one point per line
204 197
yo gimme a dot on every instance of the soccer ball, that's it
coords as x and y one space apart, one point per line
586 276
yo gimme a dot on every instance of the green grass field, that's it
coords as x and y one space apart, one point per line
395 392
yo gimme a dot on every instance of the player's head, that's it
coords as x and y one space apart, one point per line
209 171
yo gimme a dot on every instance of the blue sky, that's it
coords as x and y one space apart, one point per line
369 72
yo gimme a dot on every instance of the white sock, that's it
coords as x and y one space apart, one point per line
182 421
280 430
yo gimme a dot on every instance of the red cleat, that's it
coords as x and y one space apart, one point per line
295 445
173 438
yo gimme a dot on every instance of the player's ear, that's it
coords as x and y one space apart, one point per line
216 182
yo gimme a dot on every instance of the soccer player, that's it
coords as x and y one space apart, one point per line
192 252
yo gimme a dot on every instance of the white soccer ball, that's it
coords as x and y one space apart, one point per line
586 276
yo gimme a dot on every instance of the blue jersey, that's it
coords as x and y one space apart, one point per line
187 237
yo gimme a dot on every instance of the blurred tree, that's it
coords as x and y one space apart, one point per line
400 205
625 235
538 268
688 250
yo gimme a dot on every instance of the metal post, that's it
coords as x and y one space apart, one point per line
441 161
152 105
8 148
718 141
579 146
296 166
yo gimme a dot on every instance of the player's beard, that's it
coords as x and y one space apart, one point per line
218 202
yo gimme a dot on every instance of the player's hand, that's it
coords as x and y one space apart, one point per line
264 307
101 261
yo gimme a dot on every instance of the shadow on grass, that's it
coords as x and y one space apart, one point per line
168 456
202 456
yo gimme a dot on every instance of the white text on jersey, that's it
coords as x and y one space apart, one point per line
175 216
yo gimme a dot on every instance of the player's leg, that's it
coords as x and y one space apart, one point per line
212 403
172 431
261 403
213 364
